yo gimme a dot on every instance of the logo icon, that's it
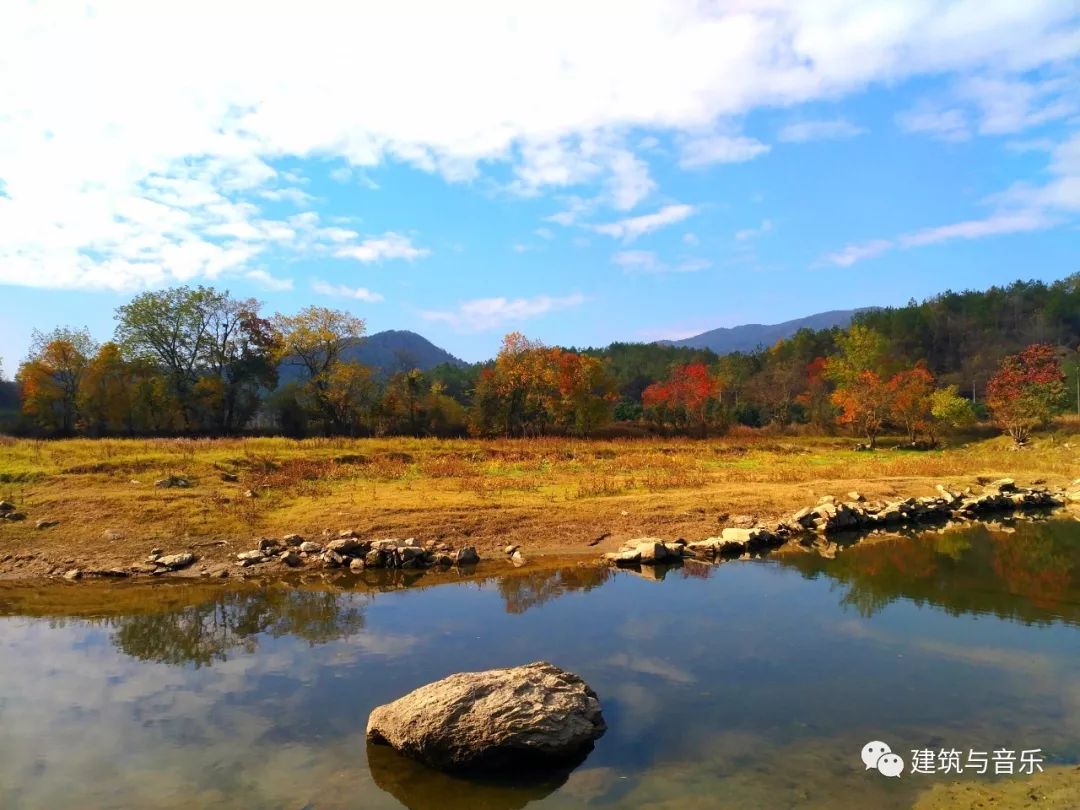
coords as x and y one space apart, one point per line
877 756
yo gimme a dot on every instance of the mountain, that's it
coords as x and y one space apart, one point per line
388 353
752 336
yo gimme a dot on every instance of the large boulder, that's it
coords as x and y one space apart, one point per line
502 718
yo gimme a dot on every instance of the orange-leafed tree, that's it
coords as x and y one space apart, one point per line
911 399
49 380
690 397
864 404
1026 391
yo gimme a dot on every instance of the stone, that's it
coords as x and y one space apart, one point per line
466 556
518 559
347 534
743 521
293 540
510 550
1004 485
629 556
332 558
348 547
356 566
230 478
855 496
442 559
176 561
73 574
6 506
16 516
268 545
46 524
254 554
291 559
376 558
308 547
651 551
172 481
501 718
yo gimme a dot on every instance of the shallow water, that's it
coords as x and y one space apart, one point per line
750 684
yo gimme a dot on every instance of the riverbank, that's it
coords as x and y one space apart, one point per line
109 505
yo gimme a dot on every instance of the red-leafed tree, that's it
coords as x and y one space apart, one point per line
1026 390
911 399
816 400
689 397
864 404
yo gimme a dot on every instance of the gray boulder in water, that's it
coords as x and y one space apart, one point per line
501 718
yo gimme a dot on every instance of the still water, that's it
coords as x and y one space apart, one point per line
750 684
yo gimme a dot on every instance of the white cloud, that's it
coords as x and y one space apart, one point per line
942 124
630 229
269 281
342 291
745 234
690 239
710 149
646 261
802 131
1020 209
483 314
545 233
388 246
126 162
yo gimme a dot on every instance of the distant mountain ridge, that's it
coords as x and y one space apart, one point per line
752 336
388 353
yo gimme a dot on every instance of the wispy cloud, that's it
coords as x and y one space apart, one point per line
342 291
630 229
269 282
944 124
483 314
832 129
388 246
746 234
710 149
646 261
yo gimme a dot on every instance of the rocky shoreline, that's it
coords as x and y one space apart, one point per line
832 515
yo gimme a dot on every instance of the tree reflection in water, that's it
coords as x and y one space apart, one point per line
232 621
524 590
1028 572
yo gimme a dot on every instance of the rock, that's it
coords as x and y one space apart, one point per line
15 516
292 540
291 559
442 559
743 521
112 535
518 559
156 552
73 574
624 557
230 478
650 550
176 561
501 718
308 547
6 506
1003 485
268 545
250 493
332 558
356 566
46 524
510 550
172 481
349 547
855 496
376 558
254 554
466 556
347 534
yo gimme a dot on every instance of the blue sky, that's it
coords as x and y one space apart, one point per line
581 173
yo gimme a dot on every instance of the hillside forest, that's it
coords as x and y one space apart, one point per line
195 361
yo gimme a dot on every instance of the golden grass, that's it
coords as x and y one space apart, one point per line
552 493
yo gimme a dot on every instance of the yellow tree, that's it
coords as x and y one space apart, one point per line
314 340
49 380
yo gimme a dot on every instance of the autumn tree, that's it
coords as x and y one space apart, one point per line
864 404
950 410
173 329
584 394
1026 390
689 398
332 388
910 395
50 378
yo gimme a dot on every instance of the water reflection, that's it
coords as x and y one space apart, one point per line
1029 572
747 684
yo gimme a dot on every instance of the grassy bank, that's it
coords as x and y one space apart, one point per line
550 495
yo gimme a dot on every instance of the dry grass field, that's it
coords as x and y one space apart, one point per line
553 495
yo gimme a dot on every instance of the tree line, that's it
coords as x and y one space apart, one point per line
196 361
